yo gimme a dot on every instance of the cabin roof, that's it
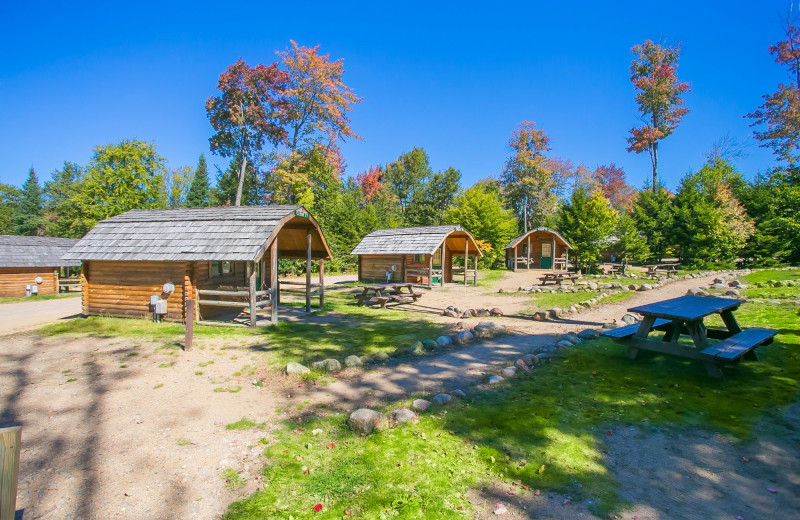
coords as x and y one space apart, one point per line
232 233
542 229
414 240
17 251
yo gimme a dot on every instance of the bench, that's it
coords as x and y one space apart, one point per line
630 330
741 344
380 300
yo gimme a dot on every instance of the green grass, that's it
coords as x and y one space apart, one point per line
144 329
544 431
245 424
772 293
233 479
545 301
489 278
767 275
38 297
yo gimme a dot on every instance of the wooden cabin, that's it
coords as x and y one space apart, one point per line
224 258
422 255
31 265
540 248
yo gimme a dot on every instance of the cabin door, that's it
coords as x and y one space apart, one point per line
547 255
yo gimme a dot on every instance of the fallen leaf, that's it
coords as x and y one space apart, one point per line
330 446
318 508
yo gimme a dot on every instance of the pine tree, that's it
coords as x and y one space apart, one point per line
200 191
60 211
29 219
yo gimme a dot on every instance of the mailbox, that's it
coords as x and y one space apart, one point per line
161 307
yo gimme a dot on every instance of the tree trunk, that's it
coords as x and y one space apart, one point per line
654 158
238 201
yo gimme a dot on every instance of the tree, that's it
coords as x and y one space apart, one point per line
631 245
60 210
430 203
120 177
779 116
610 180
176 186
587 221
371 181
407 174
199 195
530 180
480 210
252 189
9 201
247 114
29 217
654 217
654 76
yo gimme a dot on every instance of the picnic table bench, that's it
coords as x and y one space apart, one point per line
558 278
384 293
616 268
685 315
667 268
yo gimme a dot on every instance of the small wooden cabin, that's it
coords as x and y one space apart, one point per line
540 248
224 258
31 265
422 255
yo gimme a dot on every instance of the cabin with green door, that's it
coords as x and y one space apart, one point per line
540 248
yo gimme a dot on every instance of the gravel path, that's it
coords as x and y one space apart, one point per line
28 315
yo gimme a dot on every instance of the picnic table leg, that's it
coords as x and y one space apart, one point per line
730 321
714 370
751 355
674 332
697 332
641 333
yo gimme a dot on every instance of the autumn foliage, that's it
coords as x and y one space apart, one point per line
370 182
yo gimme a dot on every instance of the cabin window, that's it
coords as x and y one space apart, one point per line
437 258
220 269
226 268
419 259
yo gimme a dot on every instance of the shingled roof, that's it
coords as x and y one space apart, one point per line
204 234
16 251
409 241
539 229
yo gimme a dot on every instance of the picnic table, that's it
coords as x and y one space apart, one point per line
386 292
685 315
616 268
667 268
558 278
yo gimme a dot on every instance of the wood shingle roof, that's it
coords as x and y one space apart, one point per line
408 241
17 251
558 236
202 234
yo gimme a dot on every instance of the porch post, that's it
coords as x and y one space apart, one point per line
321 282
515 257
566 258
475 271
553 254
466 260
251 275
529 253
444 254
430 271
273 273
308 271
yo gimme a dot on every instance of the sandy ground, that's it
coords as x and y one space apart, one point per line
16 317
140 431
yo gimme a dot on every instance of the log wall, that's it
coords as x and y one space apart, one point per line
374 267
14 279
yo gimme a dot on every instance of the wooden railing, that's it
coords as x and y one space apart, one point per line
263 298
66 284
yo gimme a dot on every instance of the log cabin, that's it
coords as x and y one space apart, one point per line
421 255
225 259
540 248
31 265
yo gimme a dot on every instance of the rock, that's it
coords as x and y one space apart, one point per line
573 309
400 351
695 291
466 314
571 337
443 341
645 287
719 286
554 313
633 286
521 365
482 312
732 292
588 334
592 286
365 360
364 421
329 365
450 313
296 368
420 405
481 332
464 337
429 344
381 356
719 280
416 349
611 325
531 360
404 415
564 344
458 393
352 361
539 316
629 319
495 379
496 312
442 399
500 290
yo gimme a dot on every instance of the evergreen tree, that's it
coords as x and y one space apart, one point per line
199 195
9 200
29 218
631 245
430 203
228 183
654 217
587 221
60 211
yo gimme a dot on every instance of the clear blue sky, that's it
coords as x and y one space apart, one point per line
452 78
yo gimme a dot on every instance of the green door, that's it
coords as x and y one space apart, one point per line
547 255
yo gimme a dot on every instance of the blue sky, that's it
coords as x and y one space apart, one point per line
453 78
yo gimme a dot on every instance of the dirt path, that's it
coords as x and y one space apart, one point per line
16 317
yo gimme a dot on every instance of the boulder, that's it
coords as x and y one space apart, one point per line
482 312
588 334
592 286
296 368
443 341
531 360
554 313
509 372
416 349
496 312
381 356
633 286
493 380
420 405
352 361
329 365
429 344
573 309
521 365
442 399
645 287
364 421
464 337
365 360
732 292
629 319
460 394
549 348
564 344
539 316
481 332
404 415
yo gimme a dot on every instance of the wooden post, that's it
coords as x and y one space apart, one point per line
553 255
85 288
251 279
442 262
516 254
187 343
55 280
466 260
273 272
10 439
430 272
321 282
566 258
308 271
528 263
475 271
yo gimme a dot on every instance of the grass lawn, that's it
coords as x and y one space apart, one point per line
772 293
545 301
490 277
39 297
542 431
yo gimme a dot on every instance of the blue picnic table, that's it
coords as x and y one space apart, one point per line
684 315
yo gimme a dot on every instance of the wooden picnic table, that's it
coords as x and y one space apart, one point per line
386 292
685 315
616 268
558 278
667 268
